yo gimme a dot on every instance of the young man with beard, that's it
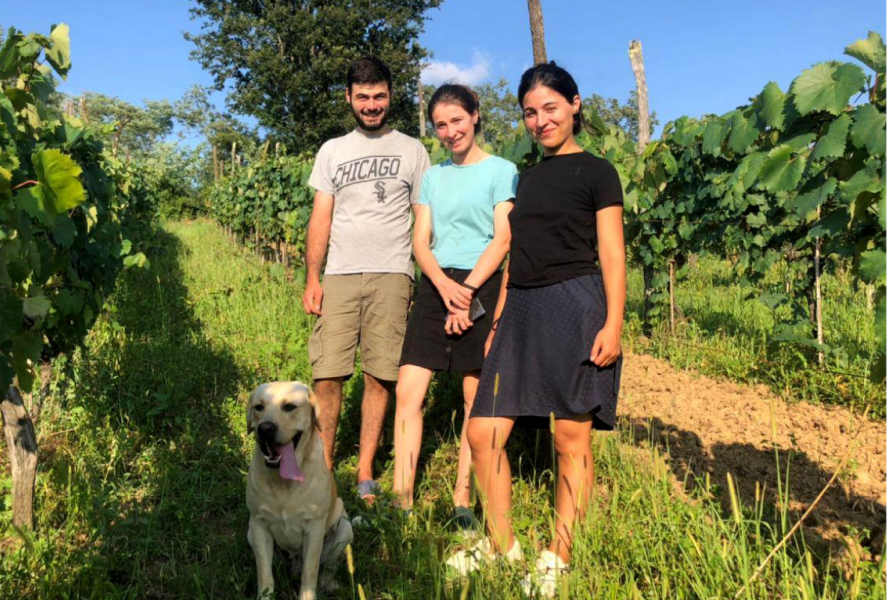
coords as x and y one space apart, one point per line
366 183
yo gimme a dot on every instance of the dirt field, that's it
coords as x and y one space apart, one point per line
714 426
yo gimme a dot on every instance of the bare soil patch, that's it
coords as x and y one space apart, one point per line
714 427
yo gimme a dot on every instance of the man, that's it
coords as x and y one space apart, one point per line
365 182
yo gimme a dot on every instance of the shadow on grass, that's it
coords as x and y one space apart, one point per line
529 449
157 473
839 513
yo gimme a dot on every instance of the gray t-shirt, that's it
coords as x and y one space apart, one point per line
375 180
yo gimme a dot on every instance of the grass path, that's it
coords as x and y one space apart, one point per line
144 455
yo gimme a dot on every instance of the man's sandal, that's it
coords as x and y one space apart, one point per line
367 490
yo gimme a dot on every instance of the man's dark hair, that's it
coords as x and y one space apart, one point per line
368 69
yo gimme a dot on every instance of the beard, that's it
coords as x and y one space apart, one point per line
382 113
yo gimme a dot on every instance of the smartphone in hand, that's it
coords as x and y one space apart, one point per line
476 310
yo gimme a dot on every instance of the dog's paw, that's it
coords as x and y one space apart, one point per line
328 582
308 595
266 594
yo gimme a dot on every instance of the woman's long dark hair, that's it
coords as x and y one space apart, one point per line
553 77
460 95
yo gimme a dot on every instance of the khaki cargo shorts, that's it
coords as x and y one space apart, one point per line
369 309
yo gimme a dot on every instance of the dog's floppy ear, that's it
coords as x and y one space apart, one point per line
315 410
249 413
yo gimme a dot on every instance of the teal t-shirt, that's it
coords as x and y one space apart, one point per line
461 198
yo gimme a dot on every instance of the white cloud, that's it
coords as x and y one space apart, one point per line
438 72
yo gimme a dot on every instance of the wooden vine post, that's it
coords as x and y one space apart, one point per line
21 445
671 303
421 108
537 32
817 291
83 112
636 56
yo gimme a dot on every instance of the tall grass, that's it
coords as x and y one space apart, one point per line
724 331
144 455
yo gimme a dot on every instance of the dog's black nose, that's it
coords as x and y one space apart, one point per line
267 429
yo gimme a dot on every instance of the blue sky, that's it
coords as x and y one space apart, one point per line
702 56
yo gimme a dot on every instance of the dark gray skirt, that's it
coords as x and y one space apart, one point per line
540 356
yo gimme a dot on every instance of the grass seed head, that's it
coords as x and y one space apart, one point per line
734 499
466 585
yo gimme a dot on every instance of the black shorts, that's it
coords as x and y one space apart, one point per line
427 345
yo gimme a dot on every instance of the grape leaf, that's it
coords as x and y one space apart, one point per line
36 306
10 313
59 185
773 105
827 87
873 266
59 54
833 142
781 171
870 52
806 204
868 130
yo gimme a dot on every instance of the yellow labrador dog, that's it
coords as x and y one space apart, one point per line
290 493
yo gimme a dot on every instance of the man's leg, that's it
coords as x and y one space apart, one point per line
385 302
331 350
329 398
372 413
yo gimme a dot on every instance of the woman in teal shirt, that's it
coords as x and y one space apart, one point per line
460 238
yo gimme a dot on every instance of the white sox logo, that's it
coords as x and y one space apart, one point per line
380 191
368 169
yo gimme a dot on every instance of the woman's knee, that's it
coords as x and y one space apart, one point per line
479 436
408 398
571 443
487 434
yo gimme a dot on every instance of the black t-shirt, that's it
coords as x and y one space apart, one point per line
553 235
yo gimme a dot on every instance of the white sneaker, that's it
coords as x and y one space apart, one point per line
550 568
471 559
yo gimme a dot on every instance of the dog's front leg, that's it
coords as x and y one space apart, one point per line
262 543
312 546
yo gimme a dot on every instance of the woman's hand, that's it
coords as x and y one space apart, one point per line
607 347
455 296
457 322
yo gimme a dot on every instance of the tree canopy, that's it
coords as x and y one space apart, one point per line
285 62
622 115
196 113
137 129
499 109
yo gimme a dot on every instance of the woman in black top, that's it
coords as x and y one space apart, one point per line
555 344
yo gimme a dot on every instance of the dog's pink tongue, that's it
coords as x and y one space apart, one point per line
289 466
